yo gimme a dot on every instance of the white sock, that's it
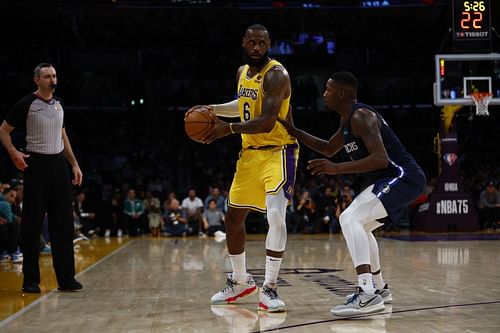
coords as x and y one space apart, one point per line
365 281
239 267
378 281
272 270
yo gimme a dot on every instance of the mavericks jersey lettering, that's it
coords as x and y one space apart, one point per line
399 159
250 97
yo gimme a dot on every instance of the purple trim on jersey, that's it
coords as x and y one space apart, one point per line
290 170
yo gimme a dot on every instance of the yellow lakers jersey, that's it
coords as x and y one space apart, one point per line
250 97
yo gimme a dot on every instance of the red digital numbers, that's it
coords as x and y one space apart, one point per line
471 20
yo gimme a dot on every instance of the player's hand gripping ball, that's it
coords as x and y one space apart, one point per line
198 122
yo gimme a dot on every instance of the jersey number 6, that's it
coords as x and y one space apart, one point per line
246 111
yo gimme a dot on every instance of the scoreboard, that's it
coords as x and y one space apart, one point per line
471 20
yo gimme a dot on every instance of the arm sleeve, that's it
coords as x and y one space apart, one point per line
229 110
17 115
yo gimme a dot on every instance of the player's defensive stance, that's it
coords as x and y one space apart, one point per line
396 180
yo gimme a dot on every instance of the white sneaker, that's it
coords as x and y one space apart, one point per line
359 303
119 233
219 236
83 237
385 293
219 233
107 233
234 290
270 301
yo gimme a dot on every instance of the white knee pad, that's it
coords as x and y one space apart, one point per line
366 208
355 237
276 212
344 218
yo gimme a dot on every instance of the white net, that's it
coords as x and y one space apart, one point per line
482 100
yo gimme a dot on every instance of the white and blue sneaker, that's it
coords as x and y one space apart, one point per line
46 249
17 257
233 290
384 292
4 257
360 303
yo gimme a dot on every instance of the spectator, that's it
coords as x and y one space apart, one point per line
117 215
85 214
306 214
215 195
213 219
175 219
9 229
152 208
489 206
134 211
192 206
326 206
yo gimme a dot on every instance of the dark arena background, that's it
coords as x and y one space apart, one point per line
127 73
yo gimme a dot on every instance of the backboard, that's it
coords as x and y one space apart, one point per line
459 75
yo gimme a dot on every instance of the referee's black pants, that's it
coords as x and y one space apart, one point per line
47 190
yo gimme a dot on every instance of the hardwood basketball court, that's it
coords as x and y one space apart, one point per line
440 283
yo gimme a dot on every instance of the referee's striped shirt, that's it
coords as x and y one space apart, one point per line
43 121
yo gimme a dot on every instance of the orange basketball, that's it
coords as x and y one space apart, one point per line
197 123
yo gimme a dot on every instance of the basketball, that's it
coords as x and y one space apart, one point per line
198 122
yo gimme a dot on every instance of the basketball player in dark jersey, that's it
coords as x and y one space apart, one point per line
396 180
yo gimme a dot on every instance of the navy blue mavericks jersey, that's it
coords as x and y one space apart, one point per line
400 161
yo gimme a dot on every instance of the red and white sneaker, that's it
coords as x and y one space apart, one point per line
270 301
234 290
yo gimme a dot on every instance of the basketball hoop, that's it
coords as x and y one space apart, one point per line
481 99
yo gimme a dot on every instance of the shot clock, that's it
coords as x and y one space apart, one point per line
471 20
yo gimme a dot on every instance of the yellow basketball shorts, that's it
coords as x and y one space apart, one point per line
262 171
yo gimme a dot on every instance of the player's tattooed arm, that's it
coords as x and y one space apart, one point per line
276 88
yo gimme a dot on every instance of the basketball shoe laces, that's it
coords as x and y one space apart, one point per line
230 283
270 292
353 298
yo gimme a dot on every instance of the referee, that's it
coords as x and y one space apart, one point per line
47 182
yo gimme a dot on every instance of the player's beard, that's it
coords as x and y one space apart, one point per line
252 62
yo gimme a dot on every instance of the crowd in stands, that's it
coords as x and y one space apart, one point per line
142 175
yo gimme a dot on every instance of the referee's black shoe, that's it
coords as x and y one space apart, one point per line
31 288
71 286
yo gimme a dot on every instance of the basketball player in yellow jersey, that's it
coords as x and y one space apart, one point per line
265 171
